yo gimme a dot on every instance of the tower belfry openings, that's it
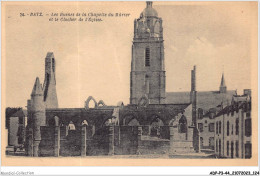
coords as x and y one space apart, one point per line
148 58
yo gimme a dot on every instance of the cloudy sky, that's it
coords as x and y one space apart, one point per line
94 58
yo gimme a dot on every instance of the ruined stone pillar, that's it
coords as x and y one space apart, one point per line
83 141
139 140
30 142
171 140
196 140
36 148
57 141
111 140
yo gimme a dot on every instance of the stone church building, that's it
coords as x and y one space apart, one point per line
155 122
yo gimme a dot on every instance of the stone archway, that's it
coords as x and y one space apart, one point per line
155 126
143 101
101 103
87 102
71 126
182 126
107 122
133 122
54 121
84 123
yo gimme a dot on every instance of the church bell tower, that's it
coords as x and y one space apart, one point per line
147 77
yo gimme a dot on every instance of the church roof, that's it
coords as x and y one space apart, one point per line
149 11
243 98
37 88
205 99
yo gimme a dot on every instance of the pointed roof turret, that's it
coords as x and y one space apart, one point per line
37 88
222 84
223 87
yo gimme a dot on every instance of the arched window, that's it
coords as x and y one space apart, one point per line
182 128
147 84
133 122
84 123
156 126
71 126
108 122
147 57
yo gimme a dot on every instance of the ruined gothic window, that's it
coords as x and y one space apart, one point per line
133 122
84 123
183 124
71 126
147 57
156 127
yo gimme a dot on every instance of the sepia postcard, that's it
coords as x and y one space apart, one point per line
147 83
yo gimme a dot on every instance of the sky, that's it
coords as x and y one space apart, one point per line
93 59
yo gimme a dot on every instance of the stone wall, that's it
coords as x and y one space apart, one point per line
112 140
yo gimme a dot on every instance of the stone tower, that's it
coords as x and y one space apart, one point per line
37 111
193 101
223 87
147 77
49 87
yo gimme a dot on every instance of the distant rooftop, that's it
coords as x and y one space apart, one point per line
205 99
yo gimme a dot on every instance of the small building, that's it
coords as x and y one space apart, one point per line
206 127
208 104
233 128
